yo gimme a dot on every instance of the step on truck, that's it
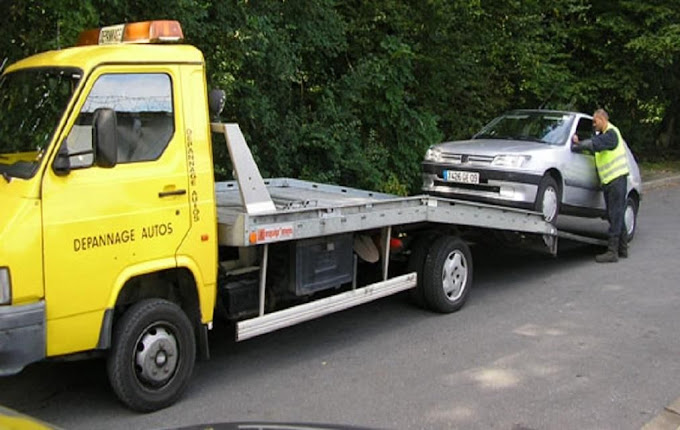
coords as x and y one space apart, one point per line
116 241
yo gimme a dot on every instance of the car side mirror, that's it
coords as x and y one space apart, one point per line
105 137
62 164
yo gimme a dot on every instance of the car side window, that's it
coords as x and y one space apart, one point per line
584 130
144 114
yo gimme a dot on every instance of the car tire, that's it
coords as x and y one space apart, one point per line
548 199
630 217
153 355
447 276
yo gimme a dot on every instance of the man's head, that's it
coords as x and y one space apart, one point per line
600 120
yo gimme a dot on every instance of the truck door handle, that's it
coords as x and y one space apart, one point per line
172 193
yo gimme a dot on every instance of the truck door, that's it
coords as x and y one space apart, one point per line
103 224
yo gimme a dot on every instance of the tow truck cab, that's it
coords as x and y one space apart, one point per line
107 191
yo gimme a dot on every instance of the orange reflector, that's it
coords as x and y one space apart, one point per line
136 32
204 238
252 237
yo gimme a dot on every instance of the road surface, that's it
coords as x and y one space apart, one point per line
543 343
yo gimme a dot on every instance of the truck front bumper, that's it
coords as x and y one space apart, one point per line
22 336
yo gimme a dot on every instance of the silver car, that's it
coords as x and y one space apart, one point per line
524 159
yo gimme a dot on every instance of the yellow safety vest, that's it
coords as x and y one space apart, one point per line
613 163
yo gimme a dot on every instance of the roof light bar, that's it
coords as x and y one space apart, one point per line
137 32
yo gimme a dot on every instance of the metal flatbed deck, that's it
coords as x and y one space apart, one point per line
307 209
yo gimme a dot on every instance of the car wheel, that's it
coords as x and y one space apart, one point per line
630 217
548 199
447 276
153 355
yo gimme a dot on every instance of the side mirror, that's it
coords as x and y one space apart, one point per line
105 137
216 100
62 164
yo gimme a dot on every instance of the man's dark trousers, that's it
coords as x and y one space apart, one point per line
615 199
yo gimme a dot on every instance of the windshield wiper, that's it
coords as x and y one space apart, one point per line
6 177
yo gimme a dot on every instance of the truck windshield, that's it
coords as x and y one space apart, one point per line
31 103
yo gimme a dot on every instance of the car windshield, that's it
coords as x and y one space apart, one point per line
551 128
31 103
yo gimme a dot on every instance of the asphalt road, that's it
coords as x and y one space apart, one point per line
543 343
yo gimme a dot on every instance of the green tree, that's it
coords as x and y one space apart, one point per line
353 92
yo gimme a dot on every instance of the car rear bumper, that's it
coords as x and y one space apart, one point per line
495 186
22 336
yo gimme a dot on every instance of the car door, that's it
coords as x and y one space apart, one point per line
100 224
581 183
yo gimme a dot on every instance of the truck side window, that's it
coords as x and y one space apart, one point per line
144 112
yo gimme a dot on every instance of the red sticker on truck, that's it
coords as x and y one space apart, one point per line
272 234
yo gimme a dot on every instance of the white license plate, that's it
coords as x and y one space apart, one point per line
462 177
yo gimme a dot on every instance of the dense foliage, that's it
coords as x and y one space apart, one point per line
354 92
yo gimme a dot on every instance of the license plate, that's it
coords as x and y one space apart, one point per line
462 177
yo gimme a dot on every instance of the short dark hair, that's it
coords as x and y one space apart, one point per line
603 113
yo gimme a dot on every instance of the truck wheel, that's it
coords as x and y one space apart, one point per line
548 199
416 262
630 217
447 274
153 355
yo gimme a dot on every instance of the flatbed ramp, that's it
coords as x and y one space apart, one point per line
581 238
307 209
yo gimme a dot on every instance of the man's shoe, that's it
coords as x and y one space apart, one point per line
608 257
612 254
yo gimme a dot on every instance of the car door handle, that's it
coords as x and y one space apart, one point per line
172 193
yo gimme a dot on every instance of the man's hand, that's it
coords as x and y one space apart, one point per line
578 146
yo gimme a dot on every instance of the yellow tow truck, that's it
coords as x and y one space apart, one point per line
116 241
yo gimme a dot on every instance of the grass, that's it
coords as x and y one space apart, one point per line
650 170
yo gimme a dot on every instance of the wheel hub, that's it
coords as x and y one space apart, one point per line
549 205
629 220
454 275
156 356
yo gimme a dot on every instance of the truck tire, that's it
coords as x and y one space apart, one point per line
416 264
447 276
153 355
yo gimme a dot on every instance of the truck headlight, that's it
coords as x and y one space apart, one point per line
511 160
433 154
5 286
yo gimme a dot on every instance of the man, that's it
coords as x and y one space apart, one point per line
612 168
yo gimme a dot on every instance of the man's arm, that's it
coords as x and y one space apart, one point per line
605 141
